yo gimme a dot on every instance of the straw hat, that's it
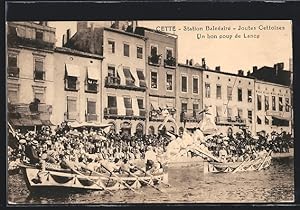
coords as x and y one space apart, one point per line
22 141
35 142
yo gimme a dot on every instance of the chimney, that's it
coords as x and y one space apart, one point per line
218 68
254 68
187 62
63 40
248 73
280 66
241 72
191 62
203 63
68 34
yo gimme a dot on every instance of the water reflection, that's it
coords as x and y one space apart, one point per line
188 184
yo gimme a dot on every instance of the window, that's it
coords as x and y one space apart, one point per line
258 102
140 103
183 84
229 112
169 84
218 111
127 102
219 92
139 52
258 120
71 83
240 113
195 109
287 104
154 80
183 107
141 76
12 96
273 103
92 85
249 96
111 46
169 53
129 78
153 50
111 71
229 93
195 85
112 101
126 50
280 104
71 105
266 103
91 107
40 96
207 90
249 116
240 94
13 70
39 73
39 35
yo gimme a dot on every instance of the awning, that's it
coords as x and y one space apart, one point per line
121 106
282 118
47 122
72 70
136 78
121 75
26 122
89 124
16 122
93 73
135 107
140 75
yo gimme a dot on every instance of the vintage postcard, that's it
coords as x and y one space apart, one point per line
103 112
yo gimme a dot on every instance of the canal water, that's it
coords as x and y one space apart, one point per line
188 185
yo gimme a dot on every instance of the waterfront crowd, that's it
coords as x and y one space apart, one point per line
92 146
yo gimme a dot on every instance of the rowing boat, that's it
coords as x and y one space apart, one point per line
38 180
247 165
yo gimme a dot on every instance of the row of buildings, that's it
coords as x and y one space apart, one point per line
119 73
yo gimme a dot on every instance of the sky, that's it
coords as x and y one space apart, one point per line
258 43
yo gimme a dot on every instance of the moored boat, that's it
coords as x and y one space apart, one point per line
38 180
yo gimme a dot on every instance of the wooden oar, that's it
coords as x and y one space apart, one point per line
148 183
240 166
111 172
77 172
207 154
261 165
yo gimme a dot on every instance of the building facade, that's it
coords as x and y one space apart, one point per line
30 73
189 100
230 98
161 64
273 109
77 86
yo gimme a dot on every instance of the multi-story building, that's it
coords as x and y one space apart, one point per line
77 86
161 64
189 101
273 109
123 88
230 97
30 73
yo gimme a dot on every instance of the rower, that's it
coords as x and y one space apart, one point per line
223 154
151 159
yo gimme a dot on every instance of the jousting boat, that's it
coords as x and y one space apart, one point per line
38 180
233 167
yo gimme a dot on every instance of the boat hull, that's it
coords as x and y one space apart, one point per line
48 180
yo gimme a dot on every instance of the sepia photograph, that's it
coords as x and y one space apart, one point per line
149 111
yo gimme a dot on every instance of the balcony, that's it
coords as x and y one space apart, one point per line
190 117
170 63
91 117
230 121
13 72
114 82
112 113
154 60
39 75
